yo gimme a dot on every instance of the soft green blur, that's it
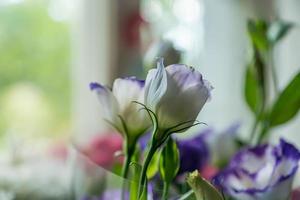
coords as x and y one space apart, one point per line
34 72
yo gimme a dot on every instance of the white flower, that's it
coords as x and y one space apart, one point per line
263 172
119 107
176 94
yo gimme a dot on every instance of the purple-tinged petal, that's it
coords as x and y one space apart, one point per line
288 150
194 154
184 76
261 173
140 82
95 86
176 94
109 104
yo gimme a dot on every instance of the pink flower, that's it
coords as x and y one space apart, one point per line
102 148
59 150
209 171
296 194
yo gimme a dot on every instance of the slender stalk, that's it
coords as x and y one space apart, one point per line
147 161
127 160
125 170
253 130
129 147
263 133
273 71
165 191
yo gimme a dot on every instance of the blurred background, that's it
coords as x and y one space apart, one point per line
50 50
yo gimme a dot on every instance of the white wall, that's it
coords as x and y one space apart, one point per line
94 38
288 60
224 62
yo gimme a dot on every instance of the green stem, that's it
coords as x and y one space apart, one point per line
147 161
129 148
273 71
258 118
263 133
253 131
127 160
165 191
129 151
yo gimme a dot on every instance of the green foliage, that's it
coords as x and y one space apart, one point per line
264 36
35 49
153 166
278 30
202 189
251 90
257 30
255 84
169 161
288 103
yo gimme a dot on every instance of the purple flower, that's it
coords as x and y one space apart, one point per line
118 104
176 94
208 147
194 154
222 144
264 172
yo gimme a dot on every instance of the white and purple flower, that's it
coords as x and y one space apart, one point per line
119 108
208 150
264 172
176 94
222 144
194 154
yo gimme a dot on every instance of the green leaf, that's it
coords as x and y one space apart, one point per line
255 84
203 190
278 30
257 30
153 166
288 103
169 161
252 94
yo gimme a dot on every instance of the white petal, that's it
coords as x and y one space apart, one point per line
178 106
108 102
127 91
156 85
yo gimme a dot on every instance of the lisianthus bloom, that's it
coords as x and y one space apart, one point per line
194 154
119 107
208 148
221 144
295 194
102 149
176 94
264 172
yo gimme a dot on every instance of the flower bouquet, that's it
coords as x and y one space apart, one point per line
214 165
146 159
